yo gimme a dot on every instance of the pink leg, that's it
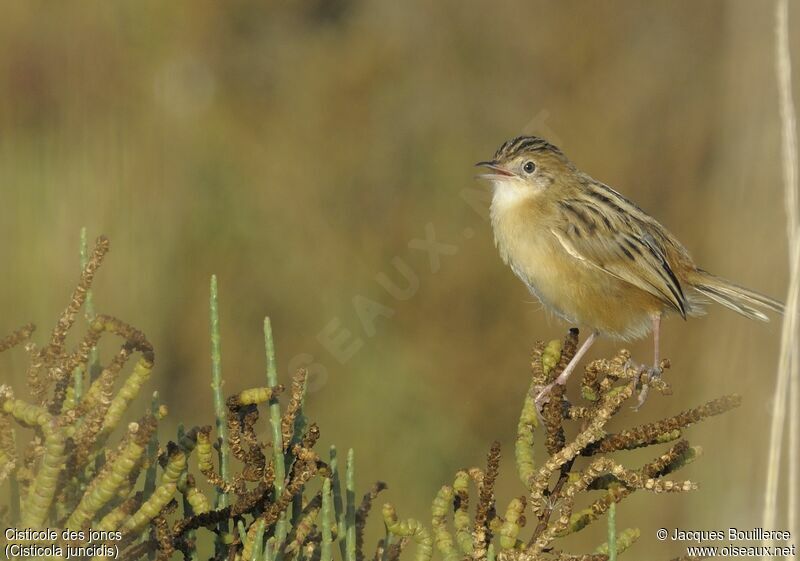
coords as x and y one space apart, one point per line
564 376
656 369
656 331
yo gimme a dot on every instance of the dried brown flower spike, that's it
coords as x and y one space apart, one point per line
72 474
585 469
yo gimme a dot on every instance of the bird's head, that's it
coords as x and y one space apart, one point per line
526 165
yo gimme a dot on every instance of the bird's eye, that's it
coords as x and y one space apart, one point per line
529 167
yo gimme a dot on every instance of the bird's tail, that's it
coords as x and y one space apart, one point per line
747 302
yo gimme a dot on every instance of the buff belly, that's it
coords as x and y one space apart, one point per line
581 293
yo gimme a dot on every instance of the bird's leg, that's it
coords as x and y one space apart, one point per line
542 396
656 369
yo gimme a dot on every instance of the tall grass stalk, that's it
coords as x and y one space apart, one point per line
219 405
786 388
350 513
612 532
277 438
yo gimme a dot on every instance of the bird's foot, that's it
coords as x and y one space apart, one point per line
644 376
543 397
643 379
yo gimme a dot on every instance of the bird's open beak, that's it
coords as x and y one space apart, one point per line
497 171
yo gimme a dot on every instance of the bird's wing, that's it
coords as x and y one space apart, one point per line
621 244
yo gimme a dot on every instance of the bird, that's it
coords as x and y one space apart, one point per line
593 257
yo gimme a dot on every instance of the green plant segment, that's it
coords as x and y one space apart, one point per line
274 500
278 499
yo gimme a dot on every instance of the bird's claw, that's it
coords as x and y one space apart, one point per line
542 398
642 380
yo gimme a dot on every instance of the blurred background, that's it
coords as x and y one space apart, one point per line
307 153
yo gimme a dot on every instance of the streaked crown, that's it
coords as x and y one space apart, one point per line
524 145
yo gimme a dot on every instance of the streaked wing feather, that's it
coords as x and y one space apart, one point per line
637 258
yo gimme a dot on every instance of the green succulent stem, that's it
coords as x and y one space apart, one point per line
338 503
221 500
350 516
612 532
281 529
326 545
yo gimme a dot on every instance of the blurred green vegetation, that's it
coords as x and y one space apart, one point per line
296 149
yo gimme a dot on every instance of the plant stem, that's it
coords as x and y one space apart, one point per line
277 438
350 537
152 455
338 504
326 550
612 532
219 404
